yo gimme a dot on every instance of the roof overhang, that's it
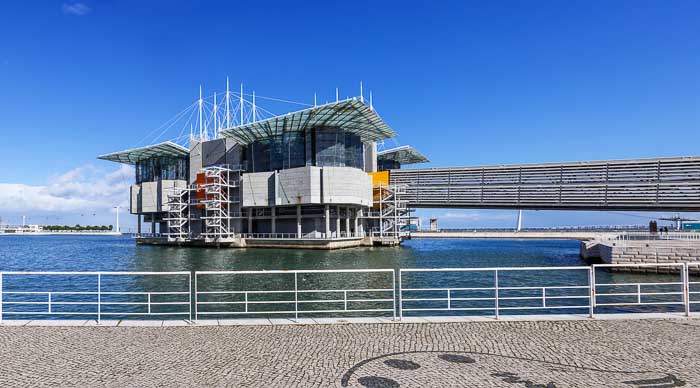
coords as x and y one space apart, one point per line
404 155
352 115
135 155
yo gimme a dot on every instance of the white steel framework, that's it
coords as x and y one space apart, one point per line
220 201
178 214
390 214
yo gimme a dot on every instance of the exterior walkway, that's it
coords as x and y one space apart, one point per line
574 352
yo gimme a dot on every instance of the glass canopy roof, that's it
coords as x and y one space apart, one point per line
351 115
134 155
404 155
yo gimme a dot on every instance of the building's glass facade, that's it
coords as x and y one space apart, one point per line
387 164
328 146
162 168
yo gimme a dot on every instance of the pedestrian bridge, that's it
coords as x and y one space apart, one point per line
660 184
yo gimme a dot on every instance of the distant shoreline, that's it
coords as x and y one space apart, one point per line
64 234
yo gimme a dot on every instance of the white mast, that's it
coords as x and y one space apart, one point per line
254 110
371 107
228 115
200 113
314 98
117 207
215 118
362 97
241 104
336 94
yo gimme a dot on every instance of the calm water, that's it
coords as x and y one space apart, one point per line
110 253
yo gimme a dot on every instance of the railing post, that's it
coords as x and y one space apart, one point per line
49 302
149 303
296 297
393 292
400 294
449 302
99 297
345 300
544 297
196 306
1 294
495 282
245 305
189 295
591 292
639 293
686 289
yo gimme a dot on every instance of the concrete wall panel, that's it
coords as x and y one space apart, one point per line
346 185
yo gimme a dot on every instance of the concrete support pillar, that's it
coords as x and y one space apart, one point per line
298 221
347 221
250 220
357 229
520 220
138 224
337 221
327 214
153 225
360 213
273 226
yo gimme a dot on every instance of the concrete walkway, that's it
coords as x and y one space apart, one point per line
337 321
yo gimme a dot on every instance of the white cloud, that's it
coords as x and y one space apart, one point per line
84 189
77 9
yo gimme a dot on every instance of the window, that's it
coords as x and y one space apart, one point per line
162 167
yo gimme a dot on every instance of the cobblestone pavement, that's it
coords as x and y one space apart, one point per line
629 353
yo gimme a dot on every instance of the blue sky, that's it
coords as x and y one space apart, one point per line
467 83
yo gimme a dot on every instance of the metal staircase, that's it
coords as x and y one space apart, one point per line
220 201
390 214
178 214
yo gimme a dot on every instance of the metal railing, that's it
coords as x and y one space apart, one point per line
295 236
540 297
46 299
150 235
296 299
584 294
644 236
691 288
493 291
642 293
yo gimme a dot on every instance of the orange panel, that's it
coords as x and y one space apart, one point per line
379 178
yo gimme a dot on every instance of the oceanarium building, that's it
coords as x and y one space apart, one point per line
308 179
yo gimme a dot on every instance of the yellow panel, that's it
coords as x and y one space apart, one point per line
379 178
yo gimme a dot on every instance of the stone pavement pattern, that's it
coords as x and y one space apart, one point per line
621 353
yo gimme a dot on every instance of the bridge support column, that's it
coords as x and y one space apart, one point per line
520 220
